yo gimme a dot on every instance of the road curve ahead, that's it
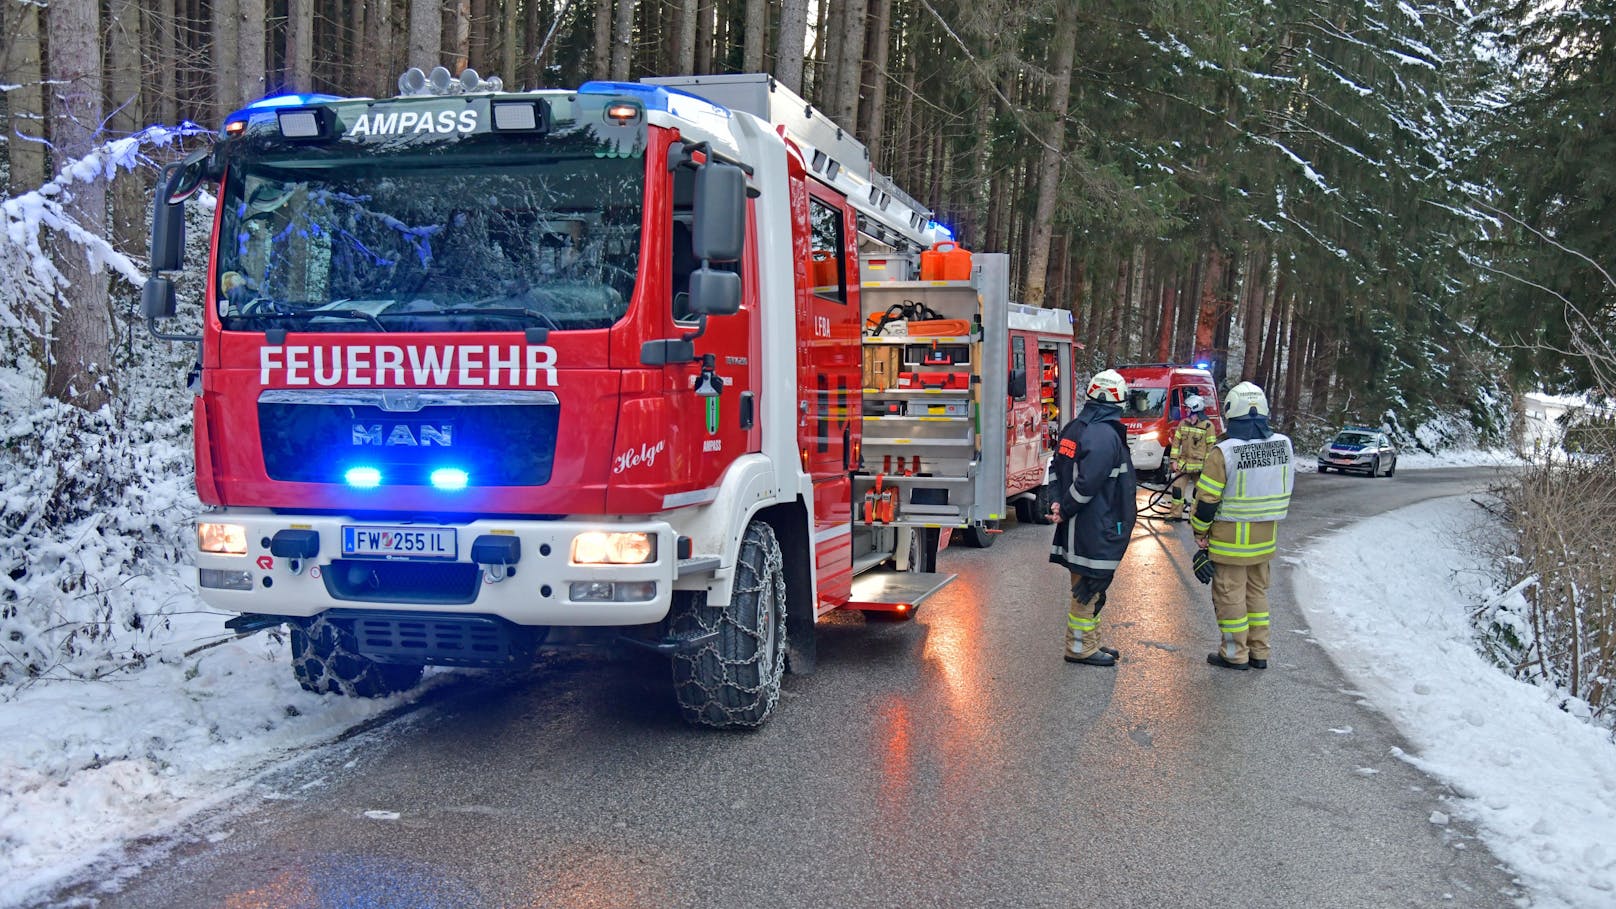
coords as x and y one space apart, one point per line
952 762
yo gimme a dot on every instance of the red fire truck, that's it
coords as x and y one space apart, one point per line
478 366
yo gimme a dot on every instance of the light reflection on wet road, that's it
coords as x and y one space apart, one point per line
952 761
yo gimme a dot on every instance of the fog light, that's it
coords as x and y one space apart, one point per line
634 591
590 592
221 539
599 548
220 579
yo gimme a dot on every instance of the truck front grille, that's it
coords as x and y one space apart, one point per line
309 441
383 581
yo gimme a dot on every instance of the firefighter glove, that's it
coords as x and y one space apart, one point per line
1202 563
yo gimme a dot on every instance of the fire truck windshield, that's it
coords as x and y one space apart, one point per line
1143 401
428 242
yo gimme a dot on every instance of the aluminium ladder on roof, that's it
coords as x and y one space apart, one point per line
886 212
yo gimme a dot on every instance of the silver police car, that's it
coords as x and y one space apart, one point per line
1359 449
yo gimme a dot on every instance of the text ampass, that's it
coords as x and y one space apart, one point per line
407 367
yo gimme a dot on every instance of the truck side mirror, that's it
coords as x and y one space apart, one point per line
714 292
157 298
720 213
1018 383
177 183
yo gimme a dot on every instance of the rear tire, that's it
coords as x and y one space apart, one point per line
734 680
977 537
1035 510
326 660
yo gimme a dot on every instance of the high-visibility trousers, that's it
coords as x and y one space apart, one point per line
1240 598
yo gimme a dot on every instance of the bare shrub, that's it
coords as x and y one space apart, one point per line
1557 624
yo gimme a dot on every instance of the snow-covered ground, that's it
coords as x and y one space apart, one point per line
1539 783
86 766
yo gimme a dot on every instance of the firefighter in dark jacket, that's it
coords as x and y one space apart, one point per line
1095 482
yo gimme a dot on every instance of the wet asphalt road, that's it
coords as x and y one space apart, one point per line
952 762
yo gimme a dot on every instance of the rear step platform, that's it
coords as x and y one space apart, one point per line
895 591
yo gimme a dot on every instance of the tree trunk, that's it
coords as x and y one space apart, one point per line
129 231
873 80
684 37
250 42
78 367
531 70
426 33
757 23
846 93
477 35
226 57
300 44
706 31
164 48
1210 310
1294 354
1049 164
1266 370
1256 314
789 43
1169 313
459 36
377 43
622 41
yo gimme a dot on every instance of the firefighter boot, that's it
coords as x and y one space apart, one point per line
1083 635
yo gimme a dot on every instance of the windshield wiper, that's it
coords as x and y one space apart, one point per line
309 315
508 312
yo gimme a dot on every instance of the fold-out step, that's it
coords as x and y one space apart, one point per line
895 591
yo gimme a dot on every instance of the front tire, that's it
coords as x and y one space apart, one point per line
326 660
734 680
1392 470
1374 468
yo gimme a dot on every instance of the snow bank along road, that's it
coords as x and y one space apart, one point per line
955 761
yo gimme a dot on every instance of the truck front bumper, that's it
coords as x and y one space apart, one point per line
312 573
1147 454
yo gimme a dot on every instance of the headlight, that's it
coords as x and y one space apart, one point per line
221 539
599 548
1151 436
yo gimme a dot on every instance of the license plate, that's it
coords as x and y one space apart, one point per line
404 542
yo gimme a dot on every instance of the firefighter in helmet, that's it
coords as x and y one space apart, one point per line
1192 440
1242 495
1094 476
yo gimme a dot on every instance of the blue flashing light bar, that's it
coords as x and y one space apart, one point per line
1203 365
943 232
449 478
654 97
363 477
277 102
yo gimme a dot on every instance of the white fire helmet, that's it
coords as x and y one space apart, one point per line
1108 386
1195 404
1243 400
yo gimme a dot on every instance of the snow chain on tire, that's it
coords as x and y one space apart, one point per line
325 660
734 680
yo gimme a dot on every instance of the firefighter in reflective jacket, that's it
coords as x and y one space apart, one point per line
1192 441
1094 474
1243 494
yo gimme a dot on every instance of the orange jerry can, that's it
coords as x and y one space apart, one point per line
945 261
823 271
